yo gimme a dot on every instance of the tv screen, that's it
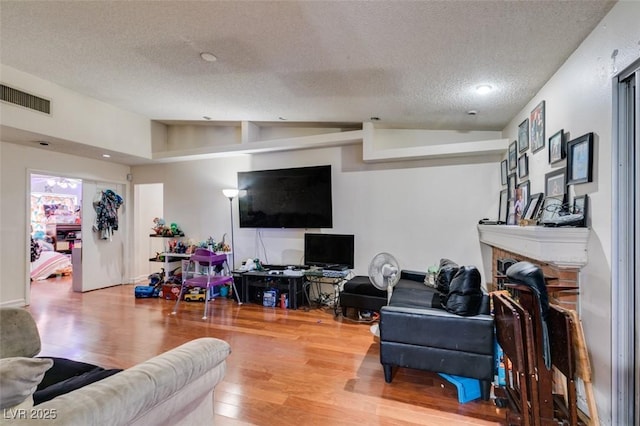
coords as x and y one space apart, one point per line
286 198
328 250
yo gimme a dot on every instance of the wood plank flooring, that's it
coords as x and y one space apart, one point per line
286 367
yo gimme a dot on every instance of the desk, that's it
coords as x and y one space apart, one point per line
317 278
293 284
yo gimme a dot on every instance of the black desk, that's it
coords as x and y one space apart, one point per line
317 278
292 284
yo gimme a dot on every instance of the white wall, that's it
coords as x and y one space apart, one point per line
579 100
75 117
419 211
15 163
148 205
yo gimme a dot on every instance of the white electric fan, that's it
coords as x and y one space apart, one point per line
384 273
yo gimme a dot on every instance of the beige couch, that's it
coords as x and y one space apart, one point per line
174 388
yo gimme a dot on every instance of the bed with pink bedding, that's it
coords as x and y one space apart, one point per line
50 263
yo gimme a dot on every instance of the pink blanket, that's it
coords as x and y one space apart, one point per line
49 263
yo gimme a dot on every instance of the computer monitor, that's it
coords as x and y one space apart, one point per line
329 250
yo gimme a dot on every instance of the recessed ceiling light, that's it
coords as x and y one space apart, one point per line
375 118
282 119
472 112
106 155
208 57
206 117
43 143
483 89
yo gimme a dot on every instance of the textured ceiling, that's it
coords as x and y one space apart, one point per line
409 63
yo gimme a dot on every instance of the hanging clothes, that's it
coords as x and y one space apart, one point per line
106 206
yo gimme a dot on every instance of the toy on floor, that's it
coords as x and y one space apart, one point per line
154 287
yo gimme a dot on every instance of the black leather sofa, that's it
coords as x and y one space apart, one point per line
417 332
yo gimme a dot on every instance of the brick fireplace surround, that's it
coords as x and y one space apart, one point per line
560 252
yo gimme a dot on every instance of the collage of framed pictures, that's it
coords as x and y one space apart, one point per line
516 202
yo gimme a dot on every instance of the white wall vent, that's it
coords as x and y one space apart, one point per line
18 97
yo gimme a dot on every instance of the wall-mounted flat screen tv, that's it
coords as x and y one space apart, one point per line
286 198
329 251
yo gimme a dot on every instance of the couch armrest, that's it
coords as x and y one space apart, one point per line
163 390
18 333
413 275
437 328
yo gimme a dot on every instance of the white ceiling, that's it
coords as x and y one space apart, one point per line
413 64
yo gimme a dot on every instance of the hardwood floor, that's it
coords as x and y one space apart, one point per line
286 367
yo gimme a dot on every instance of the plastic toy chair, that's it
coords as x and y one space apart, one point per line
203 270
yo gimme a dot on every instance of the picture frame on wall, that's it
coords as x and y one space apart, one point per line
503 172
523 166
523 136
503 209
533 206
580 159
555 183
537 127
511 186
513 155
557 147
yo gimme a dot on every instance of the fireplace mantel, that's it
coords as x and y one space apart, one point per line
564 247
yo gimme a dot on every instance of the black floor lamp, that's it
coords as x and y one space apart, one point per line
231 194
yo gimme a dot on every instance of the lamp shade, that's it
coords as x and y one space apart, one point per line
230 193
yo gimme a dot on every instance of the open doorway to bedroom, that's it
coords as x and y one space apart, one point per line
55 219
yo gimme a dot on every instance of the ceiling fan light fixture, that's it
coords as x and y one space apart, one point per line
483 89
208 57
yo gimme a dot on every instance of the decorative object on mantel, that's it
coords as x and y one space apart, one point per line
537 128
532 208
580 159
557 147
503 212
555 189
581 207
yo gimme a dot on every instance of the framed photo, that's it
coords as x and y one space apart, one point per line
513 155
511 217
554 184
511 186
557 147
537 128
522 195
523 166
580 159
533 205
523 136
503 172
503 212
581 206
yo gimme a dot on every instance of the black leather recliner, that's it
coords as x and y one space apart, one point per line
417 331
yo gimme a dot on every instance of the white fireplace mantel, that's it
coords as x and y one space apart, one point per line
563 246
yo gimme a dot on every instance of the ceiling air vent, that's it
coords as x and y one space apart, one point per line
18 97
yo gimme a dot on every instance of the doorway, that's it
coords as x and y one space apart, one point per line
55 222
626 247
